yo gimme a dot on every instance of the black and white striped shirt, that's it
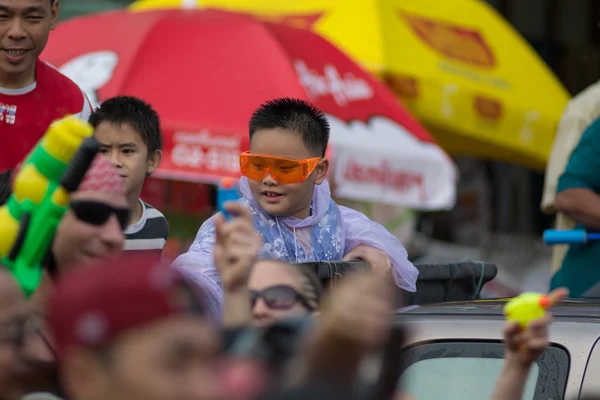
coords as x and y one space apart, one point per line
149 233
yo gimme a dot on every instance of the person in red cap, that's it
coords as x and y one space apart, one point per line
132 329
91 229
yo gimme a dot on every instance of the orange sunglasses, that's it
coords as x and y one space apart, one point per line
283 170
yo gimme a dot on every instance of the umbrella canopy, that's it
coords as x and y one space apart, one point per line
206 71
457 65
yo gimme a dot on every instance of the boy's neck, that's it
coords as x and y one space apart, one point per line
136 207
302 214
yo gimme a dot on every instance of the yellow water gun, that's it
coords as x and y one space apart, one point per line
527 307
41 194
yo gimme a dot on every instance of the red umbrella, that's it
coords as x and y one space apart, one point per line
205 71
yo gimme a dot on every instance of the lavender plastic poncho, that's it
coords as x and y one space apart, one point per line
329 233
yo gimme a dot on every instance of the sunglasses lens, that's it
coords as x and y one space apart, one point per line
282 170
280 297
96 213
255 167
91 212
254 295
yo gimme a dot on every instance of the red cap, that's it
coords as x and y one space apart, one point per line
91 306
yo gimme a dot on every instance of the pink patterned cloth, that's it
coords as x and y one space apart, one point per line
102 177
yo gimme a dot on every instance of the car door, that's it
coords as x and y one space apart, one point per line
591 383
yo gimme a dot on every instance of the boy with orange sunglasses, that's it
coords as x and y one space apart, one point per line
285 187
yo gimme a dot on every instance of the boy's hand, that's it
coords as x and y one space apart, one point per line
379 260
237 246
525 346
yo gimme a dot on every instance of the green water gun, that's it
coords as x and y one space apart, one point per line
41 194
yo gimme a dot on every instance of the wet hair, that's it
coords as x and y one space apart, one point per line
296 115
126 109
310 287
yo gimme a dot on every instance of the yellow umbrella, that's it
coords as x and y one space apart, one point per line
456 64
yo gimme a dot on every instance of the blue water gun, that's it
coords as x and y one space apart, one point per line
228 191
575 236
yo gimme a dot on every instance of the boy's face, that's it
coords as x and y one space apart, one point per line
284 199
126 149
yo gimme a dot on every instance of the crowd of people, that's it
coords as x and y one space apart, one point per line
236 317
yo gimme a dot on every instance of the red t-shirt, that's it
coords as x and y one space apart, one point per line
26 113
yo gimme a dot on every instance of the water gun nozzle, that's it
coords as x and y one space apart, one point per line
228 183
545 302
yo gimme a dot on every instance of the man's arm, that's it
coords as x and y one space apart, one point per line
583 205
579 184
568 134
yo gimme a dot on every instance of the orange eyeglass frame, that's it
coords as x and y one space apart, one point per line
283 170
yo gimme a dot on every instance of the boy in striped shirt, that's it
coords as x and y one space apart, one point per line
128 130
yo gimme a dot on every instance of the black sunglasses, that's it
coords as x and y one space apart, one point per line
97 213
280 297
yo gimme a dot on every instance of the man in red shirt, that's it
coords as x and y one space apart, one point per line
32 93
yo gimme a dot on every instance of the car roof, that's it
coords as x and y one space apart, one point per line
584 308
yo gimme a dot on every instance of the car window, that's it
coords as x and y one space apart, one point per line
469 370
444 378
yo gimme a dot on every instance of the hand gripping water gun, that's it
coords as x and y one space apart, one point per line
575 236
41 192
228 191
527 307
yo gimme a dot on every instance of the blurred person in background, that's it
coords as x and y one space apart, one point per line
578 196
285 188
132 329
354 323
128 130
32 93
22 348
354 319
581 111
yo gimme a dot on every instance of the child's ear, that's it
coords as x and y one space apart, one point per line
153 162
321 171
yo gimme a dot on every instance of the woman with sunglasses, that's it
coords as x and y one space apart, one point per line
279 290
